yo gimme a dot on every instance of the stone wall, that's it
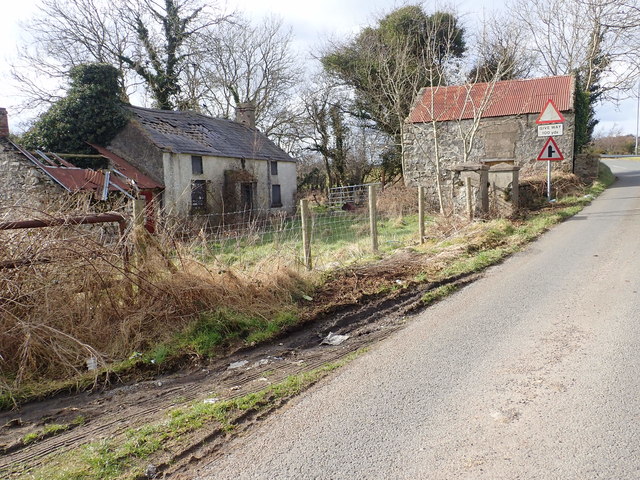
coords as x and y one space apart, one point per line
513 140
586 167
132 144
24 188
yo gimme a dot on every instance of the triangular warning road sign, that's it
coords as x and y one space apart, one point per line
550 114
550 151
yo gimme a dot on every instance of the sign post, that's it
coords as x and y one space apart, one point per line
550 123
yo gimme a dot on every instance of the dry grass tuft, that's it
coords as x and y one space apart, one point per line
533 186
397 200
75 296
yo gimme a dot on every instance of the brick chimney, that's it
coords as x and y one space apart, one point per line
4 123
246 114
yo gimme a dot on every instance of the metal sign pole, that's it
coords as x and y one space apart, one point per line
549 180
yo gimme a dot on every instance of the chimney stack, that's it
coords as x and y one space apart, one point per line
246 114
4 123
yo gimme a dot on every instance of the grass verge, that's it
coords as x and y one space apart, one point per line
125 458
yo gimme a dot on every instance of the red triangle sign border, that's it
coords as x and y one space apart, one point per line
542 155
560 117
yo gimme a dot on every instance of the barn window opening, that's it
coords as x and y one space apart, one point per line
274 168
196 165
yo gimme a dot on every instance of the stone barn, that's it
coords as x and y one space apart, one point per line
483 127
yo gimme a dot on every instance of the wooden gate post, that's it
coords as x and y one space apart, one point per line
421 213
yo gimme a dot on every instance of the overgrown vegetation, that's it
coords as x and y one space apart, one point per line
79 302
90 112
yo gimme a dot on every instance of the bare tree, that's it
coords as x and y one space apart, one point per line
241 62
387 64
457 109
145 39
501 47
598 39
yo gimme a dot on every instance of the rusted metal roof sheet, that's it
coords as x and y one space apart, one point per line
511 97
195 134
84 179
143 182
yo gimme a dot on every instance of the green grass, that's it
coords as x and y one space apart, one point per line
437 293
335 236
124 458
223 326
51 429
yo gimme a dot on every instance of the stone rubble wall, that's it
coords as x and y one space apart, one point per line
511 140
24 188
587 167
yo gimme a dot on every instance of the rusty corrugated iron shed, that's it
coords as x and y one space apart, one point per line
84 180
511 97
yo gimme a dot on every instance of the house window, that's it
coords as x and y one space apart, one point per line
198 194
274 168
196 165
276 199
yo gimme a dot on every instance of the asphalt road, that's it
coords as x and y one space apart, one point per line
533 372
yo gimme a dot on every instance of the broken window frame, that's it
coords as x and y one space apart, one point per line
198 194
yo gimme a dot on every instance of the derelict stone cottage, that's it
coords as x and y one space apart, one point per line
503 116
32 183
208 165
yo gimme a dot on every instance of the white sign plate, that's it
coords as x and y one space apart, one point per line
550 130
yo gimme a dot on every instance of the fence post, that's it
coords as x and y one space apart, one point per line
306 232
467 188
138 212
373 220
421 213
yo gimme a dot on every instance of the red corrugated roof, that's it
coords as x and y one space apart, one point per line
143 181
83 179
511 97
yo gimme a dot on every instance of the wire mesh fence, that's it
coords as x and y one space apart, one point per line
335 234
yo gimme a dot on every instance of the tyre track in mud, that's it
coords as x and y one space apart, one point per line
111 413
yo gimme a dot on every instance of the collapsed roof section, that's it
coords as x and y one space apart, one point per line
122 177
192 133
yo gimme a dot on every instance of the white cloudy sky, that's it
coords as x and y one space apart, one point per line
312 22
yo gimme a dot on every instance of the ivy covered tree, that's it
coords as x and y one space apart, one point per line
584 106
387 64
91 111
151 42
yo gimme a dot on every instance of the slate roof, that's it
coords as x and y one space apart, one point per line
196 134
511 97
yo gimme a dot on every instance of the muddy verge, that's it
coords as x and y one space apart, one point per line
346 306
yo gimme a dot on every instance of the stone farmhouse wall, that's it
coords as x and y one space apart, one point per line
512 140
24 189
